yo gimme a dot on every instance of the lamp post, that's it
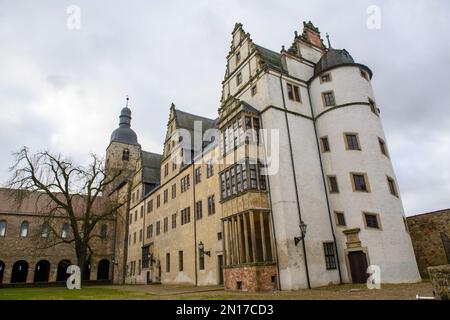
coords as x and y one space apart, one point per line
302 233
201 249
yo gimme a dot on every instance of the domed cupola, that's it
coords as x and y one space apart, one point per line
124 133
334 58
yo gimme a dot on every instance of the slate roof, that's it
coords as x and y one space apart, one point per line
269 57
186 121
151 167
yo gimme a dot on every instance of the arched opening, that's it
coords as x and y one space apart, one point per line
87 272
2 228
19 272
42 271
126 155
24 229
103 231
2 270
103 270
61 274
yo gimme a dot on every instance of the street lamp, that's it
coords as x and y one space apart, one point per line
302 231
201 248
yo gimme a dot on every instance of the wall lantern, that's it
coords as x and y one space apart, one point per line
201 248
302 231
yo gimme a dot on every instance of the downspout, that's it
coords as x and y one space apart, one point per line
271 216
325 187
295 176
194 217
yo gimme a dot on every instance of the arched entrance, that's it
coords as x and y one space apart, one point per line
19 272
103 270
42 271
61 274
2 270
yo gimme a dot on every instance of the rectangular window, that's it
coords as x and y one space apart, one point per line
149 231
340 218
211 205
186 215
238 57
198 210
167 262
166 195
219 236
185 183
209 169
371 220
325 144
373 106
142 212
174 221
360 182
383 147
174 164
254 90
198 175
330 256
364 74
201 258
252 170
150 206
158 228
134 237
166 169
352 141
333 184
293 92
180 261
325 78
140 235
392 186
174 191
166 224
328 99
239 78
158 201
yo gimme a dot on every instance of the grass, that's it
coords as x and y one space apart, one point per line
171 292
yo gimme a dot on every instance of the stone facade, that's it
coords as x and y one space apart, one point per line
428 232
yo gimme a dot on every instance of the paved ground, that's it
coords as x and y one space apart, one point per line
152 292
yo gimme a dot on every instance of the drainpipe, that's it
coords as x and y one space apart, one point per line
195 223
295 176
325 187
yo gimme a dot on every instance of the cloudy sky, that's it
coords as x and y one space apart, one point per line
62 89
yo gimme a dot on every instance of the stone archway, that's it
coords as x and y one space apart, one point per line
103 270
2 271
61 274
42 271
19 272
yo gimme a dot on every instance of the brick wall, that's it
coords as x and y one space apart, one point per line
425 230
250 278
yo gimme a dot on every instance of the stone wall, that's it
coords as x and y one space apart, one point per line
251 278
425 230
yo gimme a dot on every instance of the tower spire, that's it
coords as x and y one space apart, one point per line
328 39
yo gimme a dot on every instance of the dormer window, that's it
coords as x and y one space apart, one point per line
126 155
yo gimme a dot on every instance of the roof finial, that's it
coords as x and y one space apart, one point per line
128 99
328 39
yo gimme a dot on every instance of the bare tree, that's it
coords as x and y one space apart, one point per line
69 192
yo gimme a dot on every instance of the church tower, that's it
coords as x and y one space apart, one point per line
123 151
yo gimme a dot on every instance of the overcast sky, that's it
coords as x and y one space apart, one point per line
63 89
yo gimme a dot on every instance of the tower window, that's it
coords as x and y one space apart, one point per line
239 78
325 144
126 155
340 218
372 220
392 186
364 74
333 184
328 99
325 78
383 147
373 106
254 90
352 141
238 57
360 182
293 92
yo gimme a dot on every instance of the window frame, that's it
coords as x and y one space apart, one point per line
330 184
366 180
383 147
5 224
376 215
325 75
347 145
330 256
392 185
324 99
336 216
324 141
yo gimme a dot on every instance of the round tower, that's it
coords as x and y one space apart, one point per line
366 207
123 150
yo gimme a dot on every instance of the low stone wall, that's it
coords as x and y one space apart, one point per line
250 278
440 279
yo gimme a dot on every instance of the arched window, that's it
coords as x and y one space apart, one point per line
103 231
24 229
45 230
126 155
65 231
2 228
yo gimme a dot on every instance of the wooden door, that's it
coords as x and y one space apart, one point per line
358 266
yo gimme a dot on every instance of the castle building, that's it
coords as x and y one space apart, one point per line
313 202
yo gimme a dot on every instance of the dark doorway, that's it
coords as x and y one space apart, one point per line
87 272
103 270
2 270
42 271
61 274
220 267
358 266
19 272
